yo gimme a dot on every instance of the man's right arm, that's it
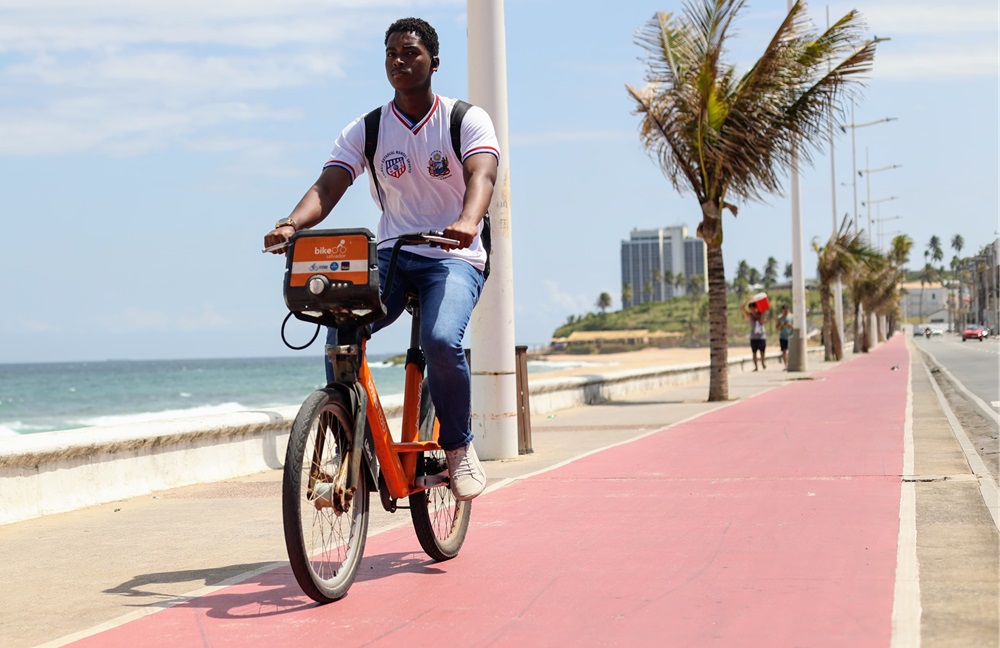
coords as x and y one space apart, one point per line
314 206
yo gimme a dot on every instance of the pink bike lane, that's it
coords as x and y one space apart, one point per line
772 521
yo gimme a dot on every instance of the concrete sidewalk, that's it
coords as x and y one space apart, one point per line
780 518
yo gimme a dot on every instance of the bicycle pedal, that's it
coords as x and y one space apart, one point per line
433 481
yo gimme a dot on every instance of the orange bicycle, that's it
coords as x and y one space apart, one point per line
340 447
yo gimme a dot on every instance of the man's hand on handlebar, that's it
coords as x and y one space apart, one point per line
276 241
463 232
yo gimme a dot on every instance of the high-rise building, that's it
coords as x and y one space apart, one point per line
650 258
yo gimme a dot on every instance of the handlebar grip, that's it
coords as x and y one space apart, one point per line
276 246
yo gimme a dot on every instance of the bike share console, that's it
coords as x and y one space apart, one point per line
331 277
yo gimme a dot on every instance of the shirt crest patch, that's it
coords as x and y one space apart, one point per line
394 164
437 166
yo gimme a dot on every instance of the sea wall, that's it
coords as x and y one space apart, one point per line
54 472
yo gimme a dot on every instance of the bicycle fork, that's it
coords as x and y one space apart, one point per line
339 493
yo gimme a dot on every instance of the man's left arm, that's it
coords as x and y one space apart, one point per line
480 174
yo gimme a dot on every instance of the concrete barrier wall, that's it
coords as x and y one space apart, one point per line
54 472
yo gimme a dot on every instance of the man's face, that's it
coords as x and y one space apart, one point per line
408 64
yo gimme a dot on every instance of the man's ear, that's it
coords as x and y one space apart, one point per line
435 62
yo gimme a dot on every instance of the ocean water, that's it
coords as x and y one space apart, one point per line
45 397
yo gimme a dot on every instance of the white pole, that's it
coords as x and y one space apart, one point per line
494 378
872 321
854 169
797 345
838 287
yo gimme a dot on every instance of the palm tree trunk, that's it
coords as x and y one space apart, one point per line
824 297
718 385
858 325
838 344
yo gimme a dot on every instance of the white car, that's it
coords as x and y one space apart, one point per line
932 329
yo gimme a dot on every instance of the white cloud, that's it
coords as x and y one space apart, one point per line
35 326
139 319
896 18
960 62
593 136
128 77
562 301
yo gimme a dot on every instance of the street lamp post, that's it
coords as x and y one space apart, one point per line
879 221
854 163
867 173
797 345
867 204
854 183
874 321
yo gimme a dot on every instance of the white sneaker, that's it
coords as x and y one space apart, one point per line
468 479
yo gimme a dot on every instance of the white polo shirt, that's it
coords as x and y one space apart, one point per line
422 182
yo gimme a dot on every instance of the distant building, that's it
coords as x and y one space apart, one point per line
984 269
925 302
659 251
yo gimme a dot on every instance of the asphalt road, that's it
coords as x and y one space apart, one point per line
975 364
968 374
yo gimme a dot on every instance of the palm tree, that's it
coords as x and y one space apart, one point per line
657 278
770 273
603 302
934 249
627 295
742 287
928 274
844 256
680 280
727 137
668 280
789 270
957 243
696 284
743 270
898 256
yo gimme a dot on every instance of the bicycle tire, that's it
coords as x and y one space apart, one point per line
440 521
324 547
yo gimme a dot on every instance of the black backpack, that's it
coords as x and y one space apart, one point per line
372 120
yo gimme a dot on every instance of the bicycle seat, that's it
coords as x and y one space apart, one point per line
331 277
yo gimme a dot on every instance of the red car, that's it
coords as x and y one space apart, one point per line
973 332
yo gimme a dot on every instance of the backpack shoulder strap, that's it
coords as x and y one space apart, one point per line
372 120
457 115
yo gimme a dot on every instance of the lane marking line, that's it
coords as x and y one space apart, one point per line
906 609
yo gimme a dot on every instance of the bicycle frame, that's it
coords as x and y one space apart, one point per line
397 459
340 437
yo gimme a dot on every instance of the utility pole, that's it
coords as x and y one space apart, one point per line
494 378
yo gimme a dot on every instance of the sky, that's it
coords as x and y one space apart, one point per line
146 148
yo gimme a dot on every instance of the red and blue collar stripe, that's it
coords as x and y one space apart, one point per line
416 126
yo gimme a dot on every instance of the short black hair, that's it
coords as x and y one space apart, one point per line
420 27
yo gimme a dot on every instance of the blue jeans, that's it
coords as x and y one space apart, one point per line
449 289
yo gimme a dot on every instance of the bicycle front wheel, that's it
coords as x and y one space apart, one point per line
439 520
324 531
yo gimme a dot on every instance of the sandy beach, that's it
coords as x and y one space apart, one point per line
642 359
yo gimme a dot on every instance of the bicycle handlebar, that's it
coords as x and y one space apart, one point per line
430 237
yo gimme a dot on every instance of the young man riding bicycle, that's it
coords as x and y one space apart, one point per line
419 184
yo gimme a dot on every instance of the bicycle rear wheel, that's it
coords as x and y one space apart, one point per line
440 521
324 535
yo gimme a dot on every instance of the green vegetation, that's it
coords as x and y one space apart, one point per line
730 138
687 315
